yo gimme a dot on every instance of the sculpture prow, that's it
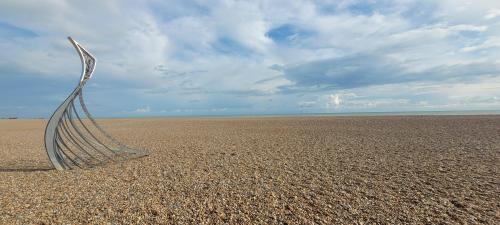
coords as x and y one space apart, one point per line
70 140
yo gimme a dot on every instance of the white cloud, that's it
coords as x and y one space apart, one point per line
334 100
145 109
171 52
493 42
492 13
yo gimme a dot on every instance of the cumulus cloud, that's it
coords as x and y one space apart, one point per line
145 109
333 100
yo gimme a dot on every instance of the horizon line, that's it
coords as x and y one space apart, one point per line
368 113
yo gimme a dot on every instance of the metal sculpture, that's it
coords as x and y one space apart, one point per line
72 141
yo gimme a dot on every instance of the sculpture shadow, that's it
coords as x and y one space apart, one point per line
25 166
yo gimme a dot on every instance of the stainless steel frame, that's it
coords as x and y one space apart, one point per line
73 141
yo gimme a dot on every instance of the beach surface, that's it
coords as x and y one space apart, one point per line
264 170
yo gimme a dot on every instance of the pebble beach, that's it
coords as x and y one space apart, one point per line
264 170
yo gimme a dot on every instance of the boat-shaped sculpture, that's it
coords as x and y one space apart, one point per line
74 141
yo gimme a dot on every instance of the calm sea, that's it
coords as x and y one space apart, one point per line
408 113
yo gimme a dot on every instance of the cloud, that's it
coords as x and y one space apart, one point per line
333 100
488 45
492 13
145 109
377 69
252 56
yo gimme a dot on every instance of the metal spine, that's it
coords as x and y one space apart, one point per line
73 141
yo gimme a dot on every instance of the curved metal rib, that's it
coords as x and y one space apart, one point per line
72 142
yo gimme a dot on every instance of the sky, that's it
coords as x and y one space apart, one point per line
178 58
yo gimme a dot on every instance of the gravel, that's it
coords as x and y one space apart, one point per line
264 170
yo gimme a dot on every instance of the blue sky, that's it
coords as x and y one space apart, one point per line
160 58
